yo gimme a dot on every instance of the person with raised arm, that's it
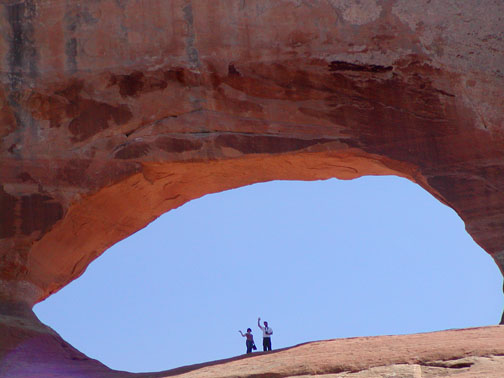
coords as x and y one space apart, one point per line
267 332
250 340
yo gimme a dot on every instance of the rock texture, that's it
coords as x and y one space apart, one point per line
467 353
113 112
440 354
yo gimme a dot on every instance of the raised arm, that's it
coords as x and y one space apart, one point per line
259 323
241 333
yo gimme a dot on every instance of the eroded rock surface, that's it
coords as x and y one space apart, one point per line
438 354
113 112
467 353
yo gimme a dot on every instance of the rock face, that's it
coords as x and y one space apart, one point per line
468 353
439 354
113 112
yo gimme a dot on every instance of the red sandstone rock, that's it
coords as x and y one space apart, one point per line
421 355
114 112
468 353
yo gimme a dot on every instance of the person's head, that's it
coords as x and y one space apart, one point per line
249 330
265 324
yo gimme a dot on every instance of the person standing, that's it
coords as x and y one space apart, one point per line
250 340
267 332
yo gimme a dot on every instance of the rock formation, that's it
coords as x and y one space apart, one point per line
113 112
467 353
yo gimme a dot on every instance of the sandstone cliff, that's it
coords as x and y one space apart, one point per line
113 112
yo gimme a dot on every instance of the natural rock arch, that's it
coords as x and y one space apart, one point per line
113 112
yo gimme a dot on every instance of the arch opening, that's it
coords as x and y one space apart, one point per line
319 260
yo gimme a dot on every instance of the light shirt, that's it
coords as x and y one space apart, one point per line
267 331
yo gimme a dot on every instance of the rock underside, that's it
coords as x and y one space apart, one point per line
113 112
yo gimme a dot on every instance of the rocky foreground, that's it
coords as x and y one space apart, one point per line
114 112
37 351
476 352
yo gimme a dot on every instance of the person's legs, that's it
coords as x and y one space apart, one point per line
249 346
268 343
265 343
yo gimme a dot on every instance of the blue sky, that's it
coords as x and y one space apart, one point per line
317 260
